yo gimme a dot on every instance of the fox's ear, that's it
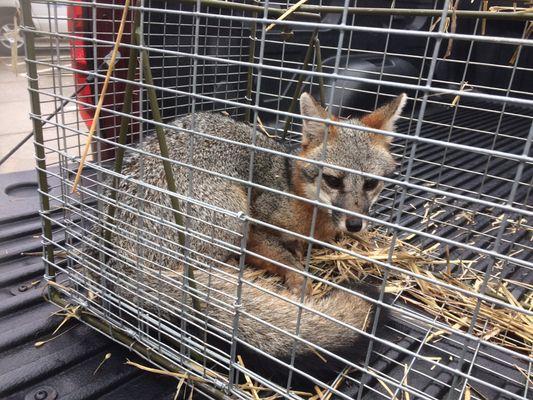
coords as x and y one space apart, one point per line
313 131
385 117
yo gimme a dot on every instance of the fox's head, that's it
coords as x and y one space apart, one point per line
350 148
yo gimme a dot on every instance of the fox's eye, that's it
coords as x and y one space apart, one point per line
370 184
333 182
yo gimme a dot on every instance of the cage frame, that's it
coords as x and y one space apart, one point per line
55 292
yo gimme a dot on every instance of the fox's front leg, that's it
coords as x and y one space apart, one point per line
285 252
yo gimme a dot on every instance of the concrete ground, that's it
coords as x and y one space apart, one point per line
14 116
15 122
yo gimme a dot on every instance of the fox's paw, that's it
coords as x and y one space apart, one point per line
295 282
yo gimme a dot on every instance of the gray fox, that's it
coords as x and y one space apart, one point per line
144 270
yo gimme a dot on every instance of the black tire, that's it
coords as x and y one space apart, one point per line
6 28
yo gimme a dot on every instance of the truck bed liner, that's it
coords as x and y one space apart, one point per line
66 364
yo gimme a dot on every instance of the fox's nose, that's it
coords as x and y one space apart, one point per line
354 224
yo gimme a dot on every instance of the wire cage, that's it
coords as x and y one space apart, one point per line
241 134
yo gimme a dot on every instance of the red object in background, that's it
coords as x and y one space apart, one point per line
78 54
82 54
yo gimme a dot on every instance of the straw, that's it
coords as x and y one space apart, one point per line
106 357
509 328
289 11
248 379
179 375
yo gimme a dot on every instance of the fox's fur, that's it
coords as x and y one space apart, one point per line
143 267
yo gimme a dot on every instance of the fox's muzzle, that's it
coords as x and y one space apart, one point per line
354 224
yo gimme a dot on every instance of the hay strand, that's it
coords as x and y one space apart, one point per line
106 357
187 376
248 379
289 11
111 67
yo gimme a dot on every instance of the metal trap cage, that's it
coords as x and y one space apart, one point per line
433 302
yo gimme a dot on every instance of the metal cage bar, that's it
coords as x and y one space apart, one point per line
448 252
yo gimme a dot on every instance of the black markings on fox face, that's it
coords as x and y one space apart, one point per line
348 191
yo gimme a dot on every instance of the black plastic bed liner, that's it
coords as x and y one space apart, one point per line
451 170
64 367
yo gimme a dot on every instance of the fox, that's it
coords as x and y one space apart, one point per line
264 315
348 148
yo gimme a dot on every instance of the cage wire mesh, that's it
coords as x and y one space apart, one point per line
164 269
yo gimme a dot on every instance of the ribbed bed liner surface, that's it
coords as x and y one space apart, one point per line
65 366
477 176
